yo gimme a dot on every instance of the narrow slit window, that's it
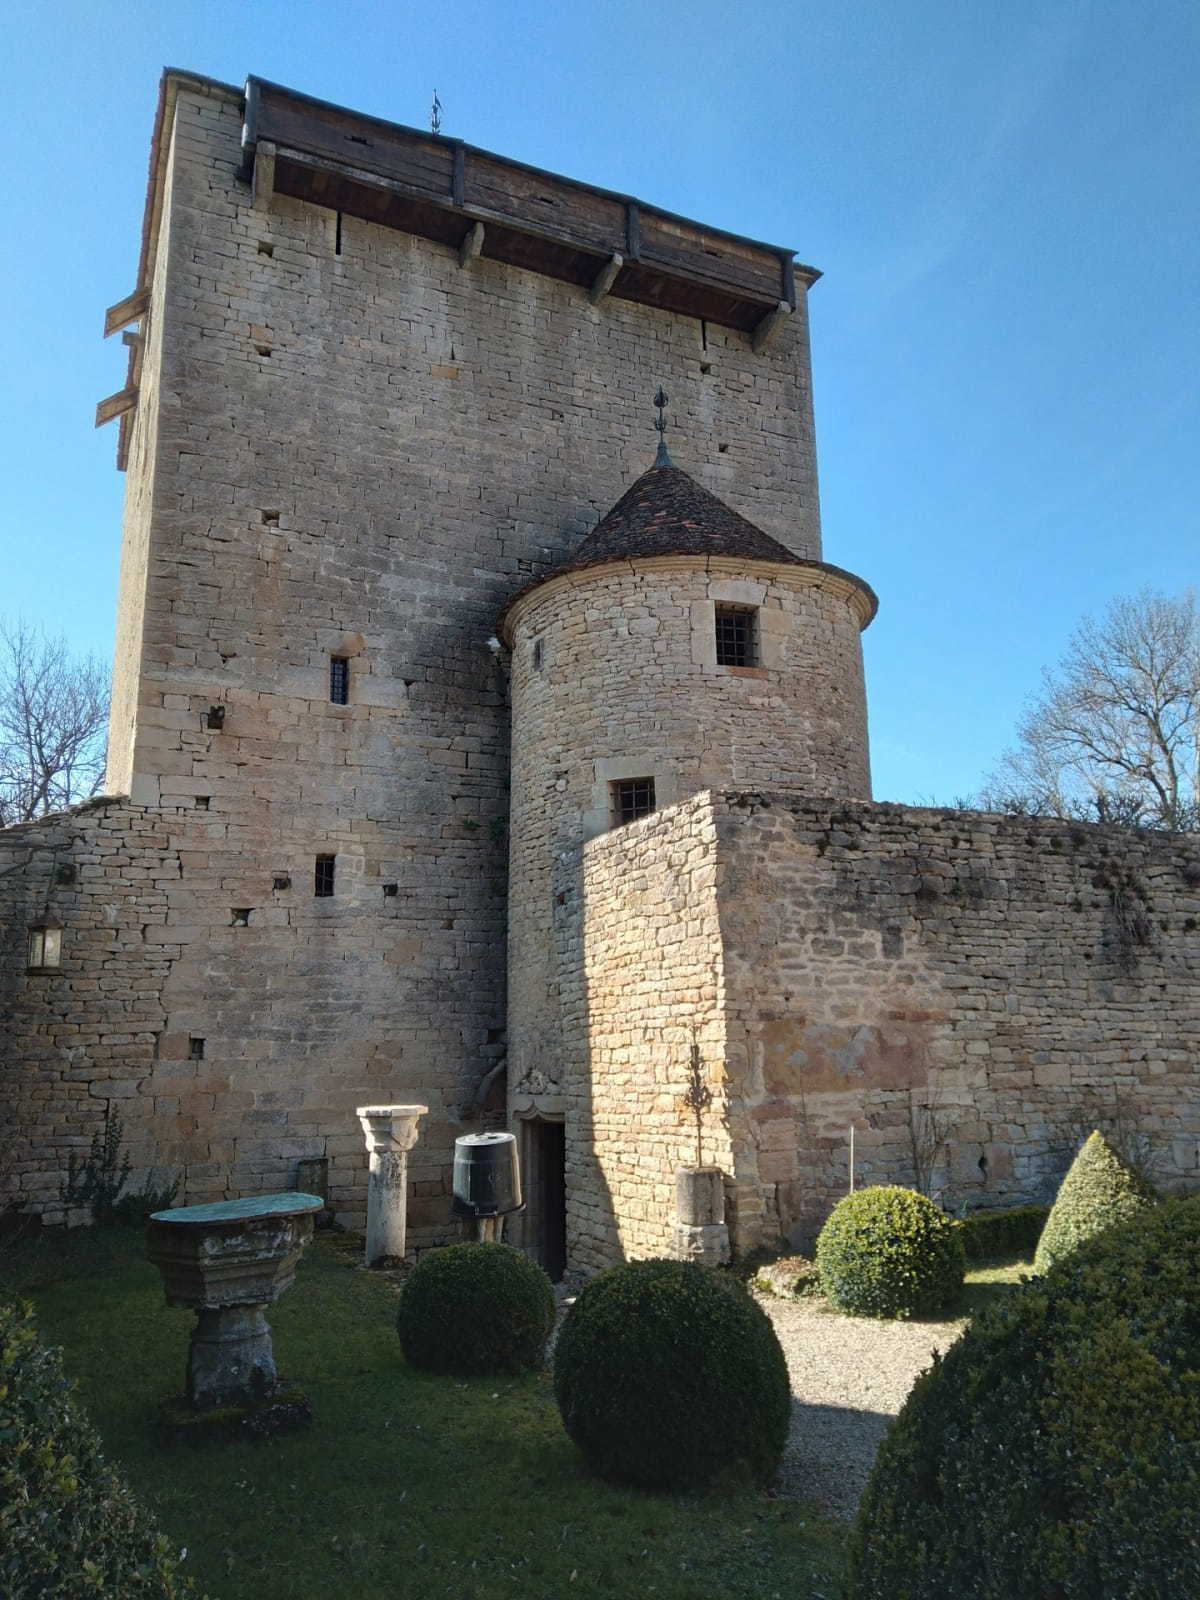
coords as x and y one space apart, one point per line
323 880
737 636
631 798
339 680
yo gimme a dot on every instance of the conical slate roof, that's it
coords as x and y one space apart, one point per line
667 513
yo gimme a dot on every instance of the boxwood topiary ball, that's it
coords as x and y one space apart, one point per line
668 1375
889 1252
1054 1452
471 1308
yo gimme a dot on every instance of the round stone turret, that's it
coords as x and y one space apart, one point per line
681 648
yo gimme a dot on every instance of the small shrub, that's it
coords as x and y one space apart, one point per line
98 1183
668 1375
792 1277
68 1525
471 1308
1054 1453
1099 1191
889 1252
1013 1232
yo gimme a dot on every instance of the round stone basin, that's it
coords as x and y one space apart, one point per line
227 1261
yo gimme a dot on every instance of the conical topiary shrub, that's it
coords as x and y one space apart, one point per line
1100 1190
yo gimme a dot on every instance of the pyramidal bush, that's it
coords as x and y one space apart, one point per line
1100 1191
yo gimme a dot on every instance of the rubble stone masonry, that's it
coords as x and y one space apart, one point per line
1008 982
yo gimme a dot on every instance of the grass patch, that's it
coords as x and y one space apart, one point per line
406 1484
991 1282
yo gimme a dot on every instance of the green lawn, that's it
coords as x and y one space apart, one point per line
405 1485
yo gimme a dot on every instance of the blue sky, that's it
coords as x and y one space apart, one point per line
1002 197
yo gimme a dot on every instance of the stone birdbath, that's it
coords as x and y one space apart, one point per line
228 1262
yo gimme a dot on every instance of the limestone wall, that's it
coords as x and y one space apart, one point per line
1018 981
614 675
640 950
1006 983
345 444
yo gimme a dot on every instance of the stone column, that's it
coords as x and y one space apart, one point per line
391 1132
701 1233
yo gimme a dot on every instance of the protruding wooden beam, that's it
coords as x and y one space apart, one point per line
633 230
770 325
262 184
126 311
116 406
605 278
471 245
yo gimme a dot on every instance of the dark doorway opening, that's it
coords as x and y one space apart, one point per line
546 1197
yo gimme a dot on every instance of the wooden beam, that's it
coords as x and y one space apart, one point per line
133 307
471 245
789 281
633 231
769 327
605 278
262 183
458 177
116 406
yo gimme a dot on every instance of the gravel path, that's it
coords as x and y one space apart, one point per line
850 1376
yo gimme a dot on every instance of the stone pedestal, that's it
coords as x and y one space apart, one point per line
701 1233
228 1262
390 1132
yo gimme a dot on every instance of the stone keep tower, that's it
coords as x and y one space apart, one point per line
379 381
679 649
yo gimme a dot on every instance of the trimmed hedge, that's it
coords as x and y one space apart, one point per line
1014 1232
889 1252
1054 1452
668 1375
1100 1191
69 1527
474 1308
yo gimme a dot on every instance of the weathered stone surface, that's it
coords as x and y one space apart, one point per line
227 1267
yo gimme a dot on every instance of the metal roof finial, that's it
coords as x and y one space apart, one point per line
435 117
662 459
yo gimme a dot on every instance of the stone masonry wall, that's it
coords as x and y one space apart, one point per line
345 445
639 943
614 675
1017 981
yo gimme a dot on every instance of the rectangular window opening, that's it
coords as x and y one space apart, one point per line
737 636
323 878
339 680
195 1049
538 654
631 798
44 948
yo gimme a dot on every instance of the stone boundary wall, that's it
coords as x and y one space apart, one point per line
86 1036
1009 982
153 967
640 962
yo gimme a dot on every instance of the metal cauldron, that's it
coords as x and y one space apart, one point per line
487 1179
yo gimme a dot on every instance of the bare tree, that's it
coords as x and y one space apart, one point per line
53 711
1115 734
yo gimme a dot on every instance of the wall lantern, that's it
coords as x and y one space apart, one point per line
44 951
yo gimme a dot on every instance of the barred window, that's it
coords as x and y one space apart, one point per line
631 798
323 881
737 636
339 680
